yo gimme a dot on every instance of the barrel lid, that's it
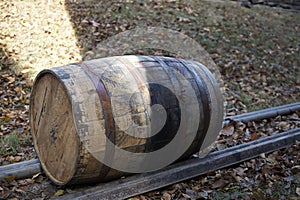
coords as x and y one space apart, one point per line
53 129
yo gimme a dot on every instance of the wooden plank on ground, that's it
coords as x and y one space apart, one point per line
138 184
20 170
29 168
266 113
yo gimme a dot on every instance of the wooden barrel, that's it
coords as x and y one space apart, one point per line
78 109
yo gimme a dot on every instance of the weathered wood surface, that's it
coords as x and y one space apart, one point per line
287 4
265 113
77 110
31 167
53 129
138 184
12 169
20 170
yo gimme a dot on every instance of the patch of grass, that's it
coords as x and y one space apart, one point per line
245 98
27 140
283 190
10 143
233 193
280 190
242 40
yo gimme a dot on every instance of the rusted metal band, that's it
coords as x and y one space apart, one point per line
204 104
110 129
204 98
165 63
166 134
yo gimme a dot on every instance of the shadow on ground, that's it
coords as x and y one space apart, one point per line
7 60
256 49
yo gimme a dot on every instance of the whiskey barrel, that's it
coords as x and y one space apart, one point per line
92 121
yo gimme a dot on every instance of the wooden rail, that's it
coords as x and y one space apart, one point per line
28 168
177 172
20 170
266 113
138 184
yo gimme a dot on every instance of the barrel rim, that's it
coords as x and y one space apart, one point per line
39 76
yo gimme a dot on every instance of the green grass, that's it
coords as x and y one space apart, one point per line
10 143
235 33
280 190
242 41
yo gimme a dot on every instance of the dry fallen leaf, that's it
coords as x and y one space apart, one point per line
36 175
254 136
218 184
166 196
258 194
227 131
186 196
11 79
10 178
59 193
253 51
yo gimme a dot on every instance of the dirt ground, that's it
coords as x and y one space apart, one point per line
256 49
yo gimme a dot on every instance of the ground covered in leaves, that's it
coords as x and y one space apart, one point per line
271 176
256 49
15 137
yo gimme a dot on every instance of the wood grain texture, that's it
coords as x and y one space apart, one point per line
142 183
53 128
78 109
28 168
